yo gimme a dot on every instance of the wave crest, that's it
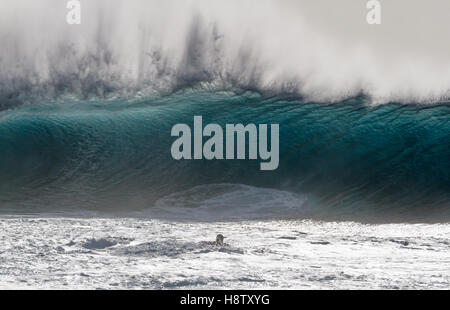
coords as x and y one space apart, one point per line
288 46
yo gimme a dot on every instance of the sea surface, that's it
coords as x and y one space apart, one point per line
52 252
91 197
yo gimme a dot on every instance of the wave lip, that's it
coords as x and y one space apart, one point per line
287 46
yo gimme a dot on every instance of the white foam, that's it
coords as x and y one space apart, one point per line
228 202
322 49
50 253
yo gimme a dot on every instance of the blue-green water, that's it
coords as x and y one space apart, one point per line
348 159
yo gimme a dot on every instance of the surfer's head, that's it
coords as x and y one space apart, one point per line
219 239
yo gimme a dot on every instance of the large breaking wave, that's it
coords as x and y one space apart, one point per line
86 111
339 158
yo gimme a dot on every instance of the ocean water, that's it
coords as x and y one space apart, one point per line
345 159
49 252
90 196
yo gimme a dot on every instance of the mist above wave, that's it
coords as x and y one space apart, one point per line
284 46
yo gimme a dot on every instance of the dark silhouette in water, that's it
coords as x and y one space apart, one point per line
218 242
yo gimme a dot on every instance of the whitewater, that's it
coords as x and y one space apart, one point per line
90 196
128 253
323 50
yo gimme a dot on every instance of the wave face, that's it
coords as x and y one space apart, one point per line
323 50
344 158
86 111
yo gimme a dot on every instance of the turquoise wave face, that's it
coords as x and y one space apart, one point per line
347 158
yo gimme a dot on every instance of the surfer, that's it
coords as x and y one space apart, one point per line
218 242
